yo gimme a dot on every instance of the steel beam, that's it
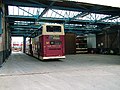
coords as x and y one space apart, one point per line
21 18
83 14
75 6
45 10
37 3
81 29
15 34
31 3
26 27
58 13
26 11
109 18
20 32
62 20
115 17
21 29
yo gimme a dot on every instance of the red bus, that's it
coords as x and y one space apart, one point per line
16 47
50 44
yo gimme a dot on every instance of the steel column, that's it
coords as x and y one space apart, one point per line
24 44
0 22
106 40
1 52
119 41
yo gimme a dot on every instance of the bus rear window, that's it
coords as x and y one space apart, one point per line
53 29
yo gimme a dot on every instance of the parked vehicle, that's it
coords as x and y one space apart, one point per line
50 44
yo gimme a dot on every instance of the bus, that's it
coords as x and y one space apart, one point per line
16 47
50 44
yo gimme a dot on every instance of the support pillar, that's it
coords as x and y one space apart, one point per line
24 44
0 22
1 46
119 41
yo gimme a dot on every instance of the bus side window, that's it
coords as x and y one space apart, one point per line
39 46
35 47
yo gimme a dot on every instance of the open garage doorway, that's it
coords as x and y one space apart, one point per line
17 44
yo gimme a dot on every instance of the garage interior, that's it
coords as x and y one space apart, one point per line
92 46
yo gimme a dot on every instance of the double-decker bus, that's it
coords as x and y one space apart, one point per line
16 47
50 44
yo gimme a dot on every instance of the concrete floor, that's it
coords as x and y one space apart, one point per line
76 72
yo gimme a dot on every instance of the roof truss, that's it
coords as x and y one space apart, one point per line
84 9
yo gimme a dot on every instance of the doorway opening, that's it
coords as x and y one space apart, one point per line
17 44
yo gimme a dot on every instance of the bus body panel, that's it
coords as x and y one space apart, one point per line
53 47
